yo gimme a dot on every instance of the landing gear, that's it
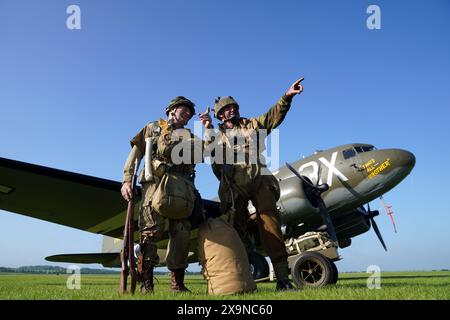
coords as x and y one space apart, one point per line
312 259
311 269
335 272
259 265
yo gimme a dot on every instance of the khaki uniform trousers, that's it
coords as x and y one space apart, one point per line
267 217
152 227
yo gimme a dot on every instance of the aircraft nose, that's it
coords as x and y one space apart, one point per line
406 159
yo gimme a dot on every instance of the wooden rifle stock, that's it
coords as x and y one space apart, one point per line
128 266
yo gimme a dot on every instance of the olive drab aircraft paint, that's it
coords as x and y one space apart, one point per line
343 179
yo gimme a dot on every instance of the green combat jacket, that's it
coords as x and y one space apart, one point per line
243 175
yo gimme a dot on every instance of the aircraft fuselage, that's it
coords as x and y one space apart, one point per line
355 173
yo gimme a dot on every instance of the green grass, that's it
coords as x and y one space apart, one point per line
394 285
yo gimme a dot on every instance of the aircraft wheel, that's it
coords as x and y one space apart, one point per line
259 265
311 269
335 273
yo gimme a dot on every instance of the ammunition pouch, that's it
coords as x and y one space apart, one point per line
159 168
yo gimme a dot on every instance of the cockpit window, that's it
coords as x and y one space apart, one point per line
349 153
362 149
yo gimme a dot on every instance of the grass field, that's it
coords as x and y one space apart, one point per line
394 285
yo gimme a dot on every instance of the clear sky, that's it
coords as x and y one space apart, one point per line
71 99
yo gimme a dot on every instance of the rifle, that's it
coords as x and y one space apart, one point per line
127 253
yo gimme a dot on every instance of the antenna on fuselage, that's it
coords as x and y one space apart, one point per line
388 209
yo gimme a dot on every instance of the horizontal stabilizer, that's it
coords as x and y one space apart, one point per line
109 260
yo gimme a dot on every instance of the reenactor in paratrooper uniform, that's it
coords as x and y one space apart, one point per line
242 182
158 161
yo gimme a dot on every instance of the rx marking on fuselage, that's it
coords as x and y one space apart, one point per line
331 169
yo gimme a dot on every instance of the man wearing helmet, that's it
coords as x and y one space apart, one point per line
241 182
155 142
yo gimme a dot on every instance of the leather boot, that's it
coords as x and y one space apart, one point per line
147 278
281 270
177 281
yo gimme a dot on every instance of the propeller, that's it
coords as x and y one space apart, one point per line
370 216
317 190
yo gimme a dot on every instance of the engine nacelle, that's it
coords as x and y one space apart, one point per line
294 203
351 225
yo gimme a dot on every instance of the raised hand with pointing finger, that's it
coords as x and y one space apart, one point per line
295 88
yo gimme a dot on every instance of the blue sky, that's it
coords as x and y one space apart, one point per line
71 99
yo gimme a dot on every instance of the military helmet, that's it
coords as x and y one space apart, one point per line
221 103
181 101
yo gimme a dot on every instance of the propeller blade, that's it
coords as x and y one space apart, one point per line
378 233
327 219
322 208
319 171
299 175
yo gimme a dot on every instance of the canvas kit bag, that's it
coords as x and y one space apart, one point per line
224 259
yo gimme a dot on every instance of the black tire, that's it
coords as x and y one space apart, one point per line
259 265
311 269
335 273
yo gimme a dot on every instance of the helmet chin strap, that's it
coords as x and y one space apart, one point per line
233 119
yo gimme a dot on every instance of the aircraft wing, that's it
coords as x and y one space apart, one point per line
74 200
71 199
